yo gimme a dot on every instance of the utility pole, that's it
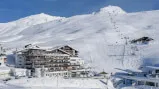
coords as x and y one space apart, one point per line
126 40
124 49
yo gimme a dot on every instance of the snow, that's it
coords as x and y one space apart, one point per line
152 67
9 31
83 32
4 69
140 87
36 19
112 9
19 72
96 36
91 34
33 83
140 78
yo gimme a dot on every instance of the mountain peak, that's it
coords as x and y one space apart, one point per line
42 15
112 9
37 19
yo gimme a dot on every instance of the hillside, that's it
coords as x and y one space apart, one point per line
96 36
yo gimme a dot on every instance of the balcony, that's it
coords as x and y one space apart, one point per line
28 62
56 65
57 62
74 64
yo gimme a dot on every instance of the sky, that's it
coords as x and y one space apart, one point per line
11 10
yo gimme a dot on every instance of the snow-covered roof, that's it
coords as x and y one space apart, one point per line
77 58
80 70
3 56
19 69
55 54
26 49
4 69
139 78
153 67
58 47
56 72
129 70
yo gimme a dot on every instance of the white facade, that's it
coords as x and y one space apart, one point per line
58 74
19 60
38 72
76 61
3 60
70 73
3 57
19 72
4 72
67 74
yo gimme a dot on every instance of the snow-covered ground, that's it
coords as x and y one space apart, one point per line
140 87
96 36
91 34
51 83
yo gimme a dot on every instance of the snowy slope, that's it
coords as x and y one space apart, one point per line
96 36
9 31
50 83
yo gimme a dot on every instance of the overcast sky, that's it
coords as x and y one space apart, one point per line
14 9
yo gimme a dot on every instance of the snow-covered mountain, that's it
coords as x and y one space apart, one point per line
11 29
97 36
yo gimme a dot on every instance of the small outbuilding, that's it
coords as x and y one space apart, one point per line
19 72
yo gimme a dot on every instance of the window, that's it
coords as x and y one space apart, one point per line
157 71
20 57
156 84
150 83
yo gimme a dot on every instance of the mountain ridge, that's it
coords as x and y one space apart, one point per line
92 34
